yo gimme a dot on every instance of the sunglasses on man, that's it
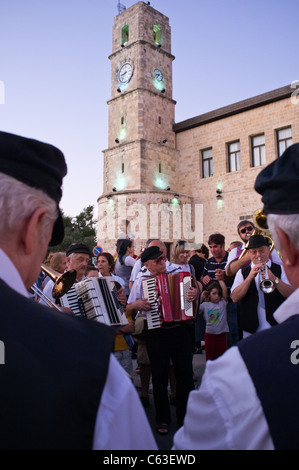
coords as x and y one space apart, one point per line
249 228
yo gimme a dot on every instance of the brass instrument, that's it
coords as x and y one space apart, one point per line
44 297
261 228
266 285
62 284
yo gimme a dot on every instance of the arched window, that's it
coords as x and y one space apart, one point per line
124 35
157 34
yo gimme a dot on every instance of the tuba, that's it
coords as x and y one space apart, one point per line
261 228
62 284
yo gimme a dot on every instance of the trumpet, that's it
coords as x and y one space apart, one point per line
62 284
266 285
261 228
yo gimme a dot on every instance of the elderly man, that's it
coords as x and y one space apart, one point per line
256 306
248 398
77 256
172 340
235 262
61 388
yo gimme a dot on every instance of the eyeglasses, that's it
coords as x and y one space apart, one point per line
159 260
249 228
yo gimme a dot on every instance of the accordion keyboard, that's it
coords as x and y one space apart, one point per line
150 293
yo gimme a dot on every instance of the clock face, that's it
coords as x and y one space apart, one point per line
158 74
125 73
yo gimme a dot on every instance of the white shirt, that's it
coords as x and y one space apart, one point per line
48 292
121 423
10 275
136 268
116 278
178 268
261 311
137 290
226 413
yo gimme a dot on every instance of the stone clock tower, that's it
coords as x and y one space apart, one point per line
141 163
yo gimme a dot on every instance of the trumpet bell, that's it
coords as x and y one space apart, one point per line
62 282
267 286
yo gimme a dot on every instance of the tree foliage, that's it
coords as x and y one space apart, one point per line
79 229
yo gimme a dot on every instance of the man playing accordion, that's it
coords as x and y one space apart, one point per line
171 340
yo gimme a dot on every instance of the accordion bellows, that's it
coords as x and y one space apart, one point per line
96 298
167 295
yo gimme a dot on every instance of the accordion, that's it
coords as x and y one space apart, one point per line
96 299
167 295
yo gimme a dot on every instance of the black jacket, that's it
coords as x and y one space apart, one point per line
53 376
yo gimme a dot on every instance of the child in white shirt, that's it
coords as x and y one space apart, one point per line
213 307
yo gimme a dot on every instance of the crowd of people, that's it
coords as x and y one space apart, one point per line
239 295
230 305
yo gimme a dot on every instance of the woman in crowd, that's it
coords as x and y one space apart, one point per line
125 261
106 265
123 340
56 262
180 263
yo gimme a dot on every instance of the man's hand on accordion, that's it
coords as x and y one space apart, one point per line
192 294
141 305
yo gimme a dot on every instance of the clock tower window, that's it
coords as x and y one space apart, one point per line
157 34
124 35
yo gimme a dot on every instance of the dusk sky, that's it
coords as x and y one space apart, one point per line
55 73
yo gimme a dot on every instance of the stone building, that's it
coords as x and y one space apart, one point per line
181 180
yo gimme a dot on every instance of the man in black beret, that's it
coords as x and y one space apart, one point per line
164 342
77 257
151 253
60 386
37 165
278 184
248 398
255 306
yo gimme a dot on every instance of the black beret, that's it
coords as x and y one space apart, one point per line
77 248
255 241
38 165
153 252
278 183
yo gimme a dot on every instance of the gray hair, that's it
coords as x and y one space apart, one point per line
18 201
288 223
